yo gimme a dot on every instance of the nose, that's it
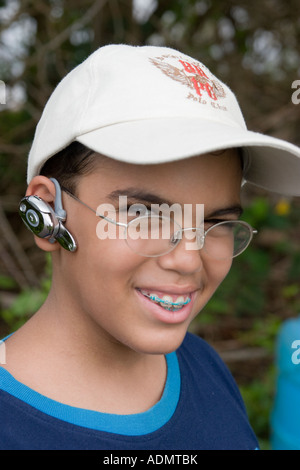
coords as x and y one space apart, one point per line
185 258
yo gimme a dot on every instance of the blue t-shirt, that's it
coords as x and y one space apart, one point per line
201 408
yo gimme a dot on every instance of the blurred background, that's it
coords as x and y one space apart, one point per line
254 47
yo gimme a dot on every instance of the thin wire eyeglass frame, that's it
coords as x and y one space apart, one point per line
176 237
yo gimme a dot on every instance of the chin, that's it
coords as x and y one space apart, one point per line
160 343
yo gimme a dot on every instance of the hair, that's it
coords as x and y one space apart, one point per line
68 165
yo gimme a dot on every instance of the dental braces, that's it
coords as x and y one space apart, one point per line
168 303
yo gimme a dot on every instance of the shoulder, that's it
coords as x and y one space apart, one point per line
199 360
210 399
197 352
12 419
197 348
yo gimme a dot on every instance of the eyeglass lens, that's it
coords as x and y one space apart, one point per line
158 235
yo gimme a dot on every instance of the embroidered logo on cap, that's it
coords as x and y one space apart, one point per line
193 76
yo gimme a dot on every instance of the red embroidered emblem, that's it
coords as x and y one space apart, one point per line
193 76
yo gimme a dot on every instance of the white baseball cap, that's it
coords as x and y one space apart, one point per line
149 105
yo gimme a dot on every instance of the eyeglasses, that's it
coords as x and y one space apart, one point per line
153 235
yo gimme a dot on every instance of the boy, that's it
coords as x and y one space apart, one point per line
107 363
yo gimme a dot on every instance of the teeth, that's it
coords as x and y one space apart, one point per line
167 302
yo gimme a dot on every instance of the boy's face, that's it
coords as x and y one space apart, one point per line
102 282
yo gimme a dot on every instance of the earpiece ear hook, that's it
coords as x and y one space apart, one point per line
58 208
63 236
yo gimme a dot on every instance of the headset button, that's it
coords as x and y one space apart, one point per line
22 207
32 218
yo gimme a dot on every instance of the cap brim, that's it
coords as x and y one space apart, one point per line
273 163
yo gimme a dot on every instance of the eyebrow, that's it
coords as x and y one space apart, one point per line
233 210
140 195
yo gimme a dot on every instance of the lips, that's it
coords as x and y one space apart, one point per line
171 299
170 306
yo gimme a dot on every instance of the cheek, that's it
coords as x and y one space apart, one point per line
213 274
105 265
217 271
101 288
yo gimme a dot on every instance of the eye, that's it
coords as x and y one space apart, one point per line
137 210
211 222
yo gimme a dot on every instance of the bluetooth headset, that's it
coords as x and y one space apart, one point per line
44 222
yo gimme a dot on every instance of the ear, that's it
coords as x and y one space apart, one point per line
44 188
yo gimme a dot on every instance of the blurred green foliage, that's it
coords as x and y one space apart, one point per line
252 46
27 302
259 398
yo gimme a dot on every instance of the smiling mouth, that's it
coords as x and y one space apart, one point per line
166 301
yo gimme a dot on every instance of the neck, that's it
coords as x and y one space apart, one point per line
70 360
